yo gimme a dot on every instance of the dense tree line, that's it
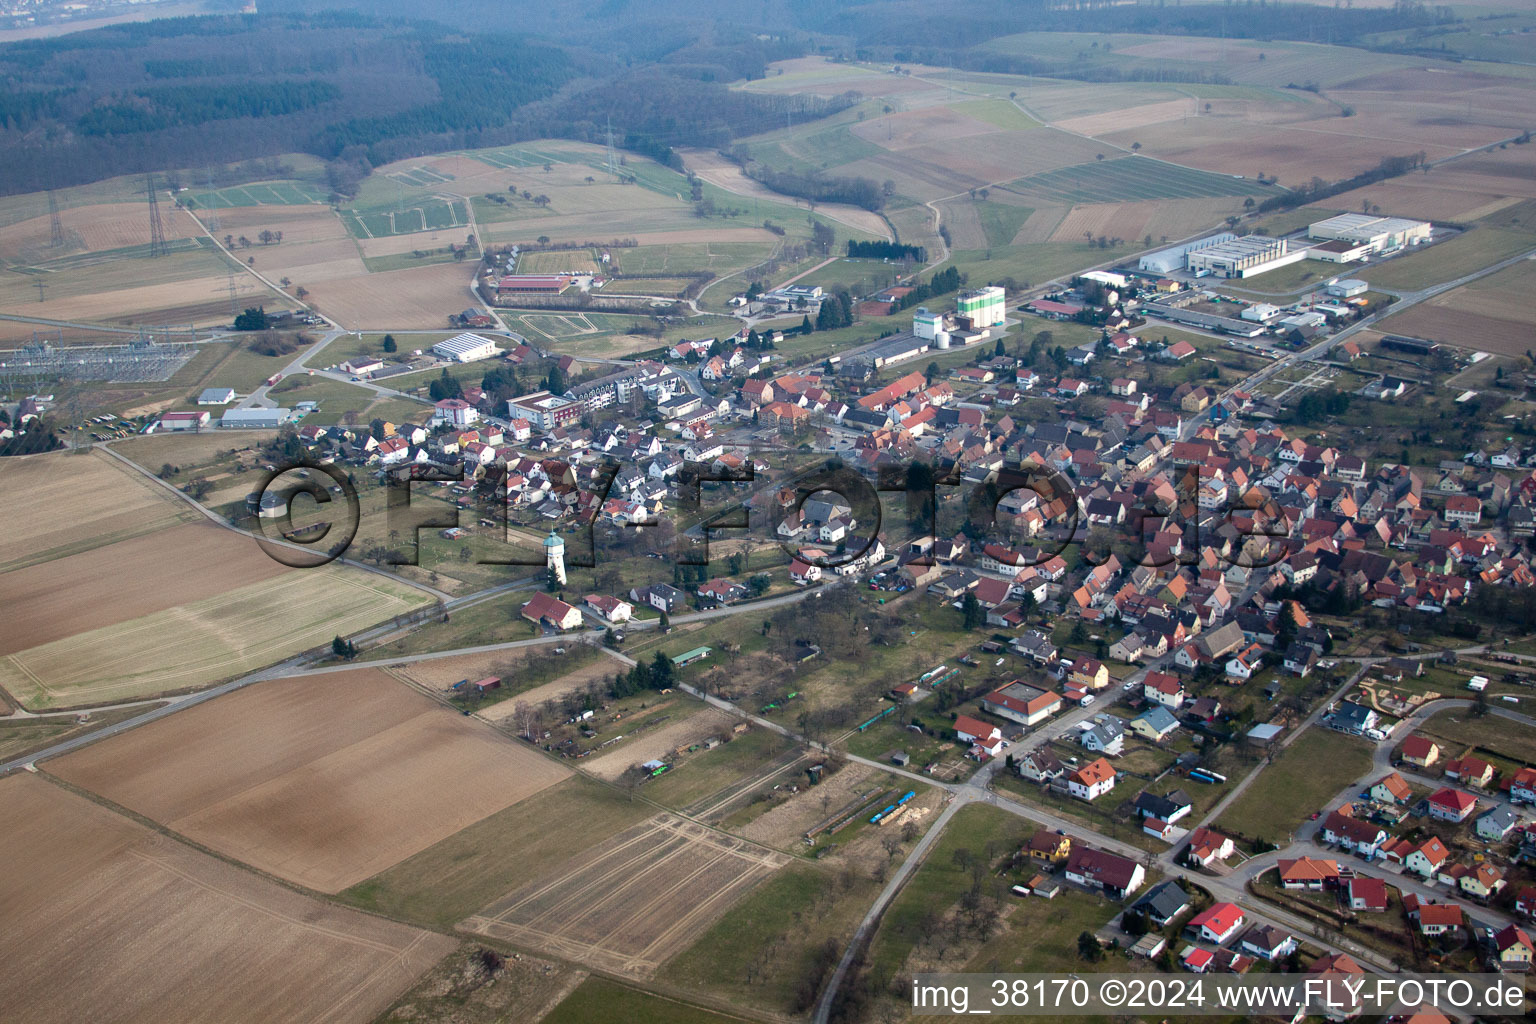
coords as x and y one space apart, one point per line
1318 189
152 110
941 283
820 188
882 250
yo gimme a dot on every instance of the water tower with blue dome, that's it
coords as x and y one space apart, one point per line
554 555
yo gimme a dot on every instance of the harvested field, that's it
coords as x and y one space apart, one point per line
907 128
401 299
1170 218
101 226
1430 202
59 504
1129 117
201 642
630 904
1492 314
174 935
323 780
1330 148
1467 329
173 566
658 742
308 223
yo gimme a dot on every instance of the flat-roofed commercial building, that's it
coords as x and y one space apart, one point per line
1382 234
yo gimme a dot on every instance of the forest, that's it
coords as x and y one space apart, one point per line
362 84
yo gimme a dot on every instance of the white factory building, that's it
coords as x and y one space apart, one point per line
1381 234
1242 257
1166 261
465 348
1223 255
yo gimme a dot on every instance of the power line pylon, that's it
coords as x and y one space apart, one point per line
55 224
157 246
613 160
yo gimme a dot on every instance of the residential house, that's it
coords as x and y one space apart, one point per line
1391 789
1436 918
1105 736
1308 873
1169 807
1218 923
1496 822
1512 948
1267 942
1155 724
1207 846
1092 780
542 609
1447 804
1163 902
973 730
1165 689
1421 751
1022 703
1470 771
1367 893
610 608
1048 845
1426 858
1481 881
1116 876
1353 834
1040 765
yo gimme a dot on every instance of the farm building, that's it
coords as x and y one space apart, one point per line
465 348
216 396
255 419
183 421
1382 234
532 284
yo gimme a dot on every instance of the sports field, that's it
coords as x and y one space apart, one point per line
200 642
630 904
107 920
323 780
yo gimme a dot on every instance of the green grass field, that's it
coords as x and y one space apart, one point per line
265 193
1130 179
601 1001
1449 260
758 954
447 882
1001 221
1306 775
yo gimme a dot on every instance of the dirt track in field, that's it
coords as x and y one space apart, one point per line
324 781
633 902
107 920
